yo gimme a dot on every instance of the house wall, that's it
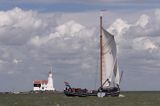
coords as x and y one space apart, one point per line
43 87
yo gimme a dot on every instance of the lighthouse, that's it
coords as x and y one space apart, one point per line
50 81
44 85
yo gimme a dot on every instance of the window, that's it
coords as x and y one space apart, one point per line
37 85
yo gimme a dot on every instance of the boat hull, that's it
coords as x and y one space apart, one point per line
72 94
113 91
75 92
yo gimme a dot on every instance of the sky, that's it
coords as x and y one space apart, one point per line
64 34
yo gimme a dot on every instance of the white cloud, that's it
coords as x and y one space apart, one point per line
19 18
144 43
16 61
69 42
38 41
69 28
143 21
16 23
157 14
119 27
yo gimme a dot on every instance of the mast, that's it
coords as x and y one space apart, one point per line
101 50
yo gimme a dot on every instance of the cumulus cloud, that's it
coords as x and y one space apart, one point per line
69 28
71 44
17 22
143 21
16 61
19 18
66 31
119 27
157 15
144 43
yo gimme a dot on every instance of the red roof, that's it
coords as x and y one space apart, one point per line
40 81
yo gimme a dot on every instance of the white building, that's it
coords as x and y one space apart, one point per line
44 85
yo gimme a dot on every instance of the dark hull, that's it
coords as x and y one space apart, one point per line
70 93
114 91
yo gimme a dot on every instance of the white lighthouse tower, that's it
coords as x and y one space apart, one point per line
50 86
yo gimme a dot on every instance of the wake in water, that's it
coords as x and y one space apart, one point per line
121 96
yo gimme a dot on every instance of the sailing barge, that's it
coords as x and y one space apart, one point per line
109 70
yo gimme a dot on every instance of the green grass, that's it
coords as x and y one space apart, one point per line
130 99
